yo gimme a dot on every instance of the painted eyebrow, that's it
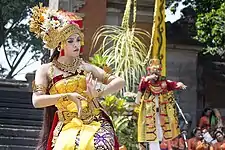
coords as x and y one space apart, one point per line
70 39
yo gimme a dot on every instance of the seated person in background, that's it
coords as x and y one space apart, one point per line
166 145
194 141
215 120
204 122
179 143
206 142
219 135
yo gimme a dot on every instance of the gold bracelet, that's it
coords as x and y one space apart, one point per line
63 98
105 78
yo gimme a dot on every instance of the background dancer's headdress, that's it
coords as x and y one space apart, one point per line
154 65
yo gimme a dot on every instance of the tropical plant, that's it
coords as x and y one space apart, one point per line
124 47
211 30
210 23
114 106
124 120
100 61
126 130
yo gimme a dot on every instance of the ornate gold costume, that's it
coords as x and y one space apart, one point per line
70 124
92 128
157 118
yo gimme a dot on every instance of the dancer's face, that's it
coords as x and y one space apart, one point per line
73 45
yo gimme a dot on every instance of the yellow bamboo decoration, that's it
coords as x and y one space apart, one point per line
158 41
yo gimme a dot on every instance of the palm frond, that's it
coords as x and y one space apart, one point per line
125 51
124 47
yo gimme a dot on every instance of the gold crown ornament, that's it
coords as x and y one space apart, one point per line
54 27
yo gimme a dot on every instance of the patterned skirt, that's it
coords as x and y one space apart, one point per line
104 138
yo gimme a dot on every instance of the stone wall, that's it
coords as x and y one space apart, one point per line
181 66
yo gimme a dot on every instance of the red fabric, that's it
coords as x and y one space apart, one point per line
62 52
54 123
204 123
143 85
166 145
171 85
117 145
78 22
57 78
81 50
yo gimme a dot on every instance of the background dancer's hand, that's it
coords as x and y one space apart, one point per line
151 77
181 85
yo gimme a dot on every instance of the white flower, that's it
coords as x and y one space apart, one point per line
46 25
55 23
51 12
130 94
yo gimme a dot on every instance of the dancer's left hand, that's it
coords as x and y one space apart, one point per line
181 85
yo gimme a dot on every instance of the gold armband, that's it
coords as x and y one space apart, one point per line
38 88
106 77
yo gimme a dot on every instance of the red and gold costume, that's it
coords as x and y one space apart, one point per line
157 118
88 131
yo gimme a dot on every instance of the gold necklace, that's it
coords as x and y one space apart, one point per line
70 68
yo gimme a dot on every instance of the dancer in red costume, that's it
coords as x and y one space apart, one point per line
157 119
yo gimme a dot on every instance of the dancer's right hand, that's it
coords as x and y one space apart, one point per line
77 98
150 77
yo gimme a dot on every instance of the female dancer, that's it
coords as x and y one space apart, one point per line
66 87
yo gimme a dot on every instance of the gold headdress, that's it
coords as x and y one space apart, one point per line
155 65
54 27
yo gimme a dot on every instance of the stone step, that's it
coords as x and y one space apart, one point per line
16 100
19 113
19 132
25 122
22 141
16 147
16 97
19 126
24 110
16 105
